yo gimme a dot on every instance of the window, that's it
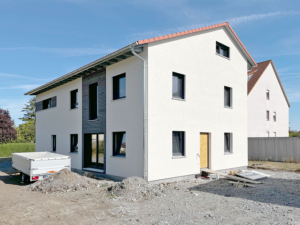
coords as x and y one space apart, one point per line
268 135
93 101
228 142
268 95
178 143
47 103
227 97
119 86
274 116
178 85
54 143
74 99
268 115
119 143
74 142
222 50
274 134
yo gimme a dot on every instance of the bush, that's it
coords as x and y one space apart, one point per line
7 149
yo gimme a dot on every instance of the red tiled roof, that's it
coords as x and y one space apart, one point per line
258 71
194 31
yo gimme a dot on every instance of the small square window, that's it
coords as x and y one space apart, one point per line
268 95
274 116
227 97
119 86
119 143
228 142
47 103
54 143
178 86
74 99
178 143
74 143
268 116
222 50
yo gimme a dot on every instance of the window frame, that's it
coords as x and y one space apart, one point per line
114 97
54 142
49 103
274 117
183 150
114 152
230 98
71 99
268 115
71 146
268 94
230 151
91 102
220 45
183 78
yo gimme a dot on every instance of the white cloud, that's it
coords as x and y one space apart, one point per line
21 87
8 75
232 21
66 52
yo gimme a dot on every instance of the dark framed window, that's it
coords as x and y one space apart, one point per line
74 99
119 86
93 101
178 85
222 49
268 115
178 143
274 116
227 142
227 96
74 143
47 103
54 143
268 95
119 143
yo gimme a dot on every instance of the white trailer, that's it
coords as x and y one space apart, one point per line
35 166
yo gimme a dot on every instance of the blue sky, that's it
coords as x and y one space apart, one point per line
42 40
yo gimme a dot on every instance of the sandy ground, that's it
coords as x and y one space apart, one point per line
276 201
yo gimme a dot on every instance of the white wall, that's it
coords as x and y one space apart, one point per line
203 110
126 115
61 121
258 126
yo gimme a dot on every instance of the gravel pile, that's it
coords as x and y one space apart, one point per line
135 189
64 181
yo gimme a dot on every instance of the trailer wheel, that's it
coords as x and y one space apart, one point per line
24 178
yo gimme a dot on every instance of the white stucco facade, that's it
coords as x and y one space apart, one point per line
126 114
258 105
202 111
61 121
206 74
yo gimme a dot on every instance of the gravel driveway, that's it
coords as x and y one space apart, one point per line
276 201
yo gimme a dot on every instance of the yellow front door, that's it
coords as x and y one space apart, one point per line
203 151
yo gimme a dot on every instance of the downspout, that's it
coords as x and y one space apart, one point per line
145 172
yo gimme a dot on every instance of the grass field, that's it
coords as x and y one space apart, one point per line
7 149
276 165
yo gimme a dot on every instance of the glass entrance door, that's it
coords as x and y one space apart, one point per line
94 150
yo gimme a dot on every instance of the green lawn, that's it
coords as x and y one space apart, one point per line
7 149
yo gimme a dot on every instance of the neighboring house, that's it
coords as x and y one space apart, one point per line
268 105
178 105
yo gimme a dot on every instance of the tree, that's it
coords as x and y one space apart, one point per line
26 131
29 110
7 130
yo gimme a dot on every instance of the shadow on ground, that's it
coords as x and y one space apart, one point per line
285 192
8 174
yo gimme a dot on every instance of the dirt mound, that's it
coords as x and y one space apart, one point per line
63 181
135 189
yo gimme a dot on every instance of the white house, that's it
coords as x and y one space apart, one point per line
160 108
268 105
